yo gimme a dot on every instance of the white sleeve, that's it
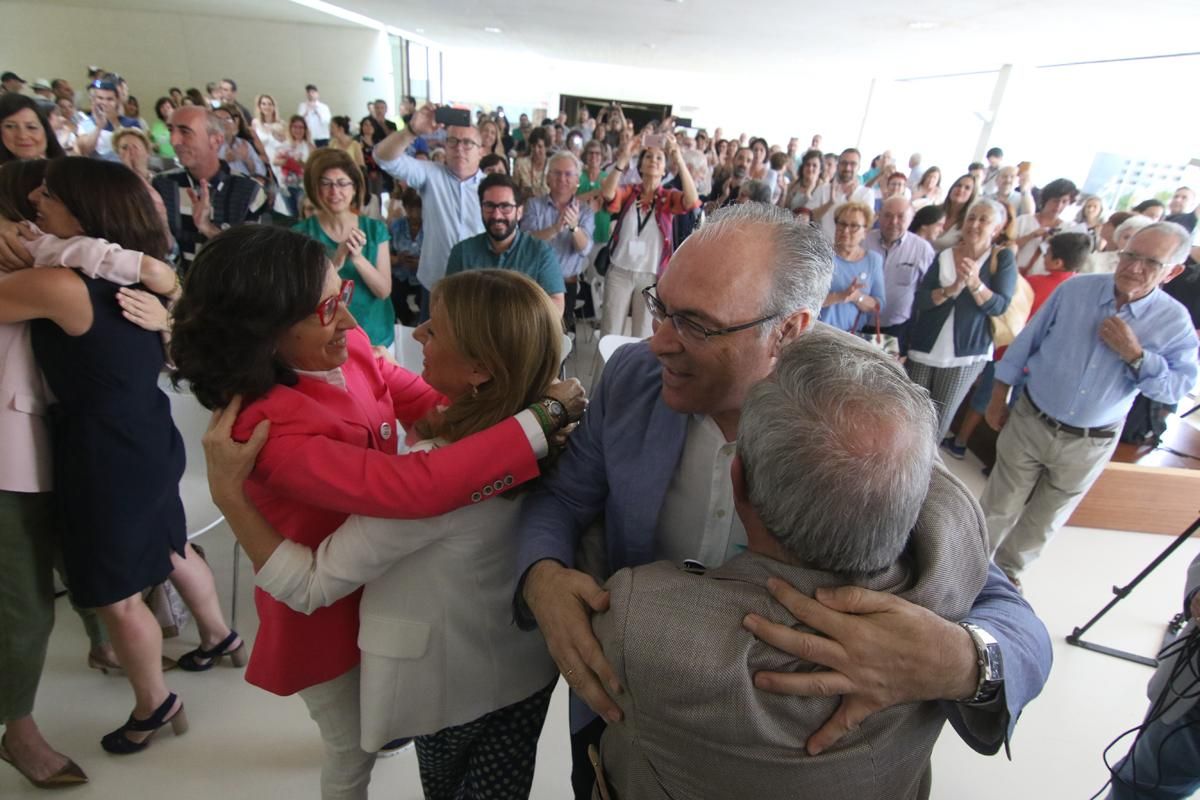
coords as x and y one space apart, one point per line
362 549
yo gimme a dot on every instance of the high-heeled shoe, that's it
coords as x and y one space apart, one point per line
199 660
119 744
101 661
68 774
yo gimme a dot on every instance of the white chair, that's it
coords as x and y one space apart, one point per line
609 344
199 510
408 350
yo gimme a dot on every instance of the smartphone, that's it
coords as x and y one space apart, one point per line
452 117
653 140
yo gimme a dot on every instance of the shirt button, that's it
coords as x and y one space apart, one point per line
487 491
720 513
508 480
498 486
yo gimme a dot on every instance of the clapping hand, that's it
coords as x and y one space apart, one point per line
967 270
569 218
202 209
1120 338
854 293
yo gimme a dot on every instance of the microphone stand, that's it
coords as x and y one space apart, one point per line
1121 593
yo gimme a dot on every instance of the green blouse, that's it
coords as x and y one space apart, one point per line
375 315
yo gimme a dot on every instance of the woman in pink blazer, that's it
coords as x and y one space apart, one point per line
264 316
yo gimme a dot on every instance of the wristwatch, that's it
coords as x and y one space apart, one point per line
573 228
991 665
556 410
1136 364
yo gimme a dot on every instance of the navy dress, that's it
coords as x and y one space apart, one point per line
117 455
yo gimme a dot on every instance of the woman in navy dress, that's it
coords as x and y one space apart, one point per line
117 455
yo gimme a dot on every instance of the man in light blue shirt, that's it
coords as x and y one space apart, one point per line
449 191
1096 343
565 224
906 258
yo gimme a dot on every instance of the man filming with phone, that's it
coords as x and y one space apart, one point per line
449 191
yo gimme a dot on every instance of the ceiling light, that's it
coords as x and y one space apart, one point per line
491 29
922 25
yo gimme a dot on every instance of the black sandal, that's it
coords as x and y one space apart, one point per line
200 660
119 744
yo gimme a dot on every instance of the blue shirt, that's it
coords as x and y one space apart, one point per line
450 210
1076 378
904 265
845 316
541 213
527 255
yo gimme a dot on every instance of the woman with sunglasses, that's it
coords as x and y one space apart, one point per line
264 316
357 244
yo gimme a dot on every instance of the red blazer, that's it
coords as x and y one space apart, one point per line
332 453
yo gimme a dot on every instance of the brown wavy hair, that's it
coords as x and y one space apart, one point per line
321 161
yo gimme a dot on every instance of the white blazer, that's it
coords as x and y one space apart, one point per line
439 645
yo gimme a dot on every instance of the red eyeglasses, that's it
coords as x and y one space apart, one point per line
328 308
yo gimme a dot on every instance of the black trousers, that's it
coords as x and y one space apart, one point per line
583 775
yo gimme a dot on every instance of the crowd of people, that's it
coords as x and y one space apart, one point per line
812 329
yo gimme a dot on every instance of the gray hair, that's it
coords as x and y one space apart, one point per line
1183 239
999 213
803 258
837 447
1132 225
565 155
758 191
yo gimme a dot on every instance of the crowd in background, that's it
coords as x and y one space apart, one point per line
418 219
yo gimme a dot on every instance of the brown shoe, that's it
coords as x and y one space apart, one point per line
109 666
68 775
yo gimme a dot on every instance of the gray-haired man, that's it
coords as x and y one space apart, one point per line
654 454
836 482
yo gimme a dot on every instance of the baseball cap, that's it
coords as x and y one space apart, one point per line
11 76
41 83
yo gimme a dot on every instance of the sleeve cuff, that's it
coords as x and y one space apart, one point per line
280 572
534 433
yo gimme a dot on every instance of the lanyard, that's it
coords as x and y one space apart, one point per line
637 208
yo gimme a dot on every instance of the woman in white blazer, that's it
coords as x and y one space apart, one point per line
441 657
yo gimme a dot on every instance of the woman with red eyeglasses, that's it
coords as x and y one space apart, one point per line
264 317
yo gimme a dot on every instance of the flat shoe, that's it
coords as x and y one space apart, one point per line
68 774
110 667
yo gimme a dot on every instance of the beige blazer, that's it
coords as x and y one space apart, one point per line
696 727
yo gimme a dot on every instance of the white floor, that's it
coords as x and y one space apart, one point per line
245 743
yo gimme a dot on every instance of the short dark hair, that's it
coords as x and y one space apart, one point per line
1117 217
498 180
247 286
54 84
232 83
410 99
342 122
777 160
491 160
381 100
18 179
974 165
995 152
12 103
158 106
926 215
110 201
312 87
1146 205
538 135
174 89
1072 248
1059 187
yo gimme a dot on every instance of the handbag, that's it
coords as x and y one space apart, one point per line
603 259
1006 326
886 342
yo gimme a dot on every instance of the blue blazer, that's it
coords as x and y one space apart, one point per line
621 460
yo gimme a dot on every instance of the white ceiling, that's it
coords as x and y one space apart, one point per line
775 40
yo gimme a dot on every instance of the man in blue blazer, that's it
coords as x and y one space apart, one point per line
653 455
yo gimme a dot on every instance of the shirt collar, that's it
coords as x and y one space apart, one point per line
1136 309
334 377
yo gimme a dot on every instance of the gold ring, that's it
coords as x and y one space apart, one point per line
568 674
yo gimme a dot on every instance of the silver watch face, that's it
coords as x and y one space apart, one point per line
556 408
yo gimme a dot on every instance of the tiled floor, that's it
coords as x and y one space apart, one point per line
245 743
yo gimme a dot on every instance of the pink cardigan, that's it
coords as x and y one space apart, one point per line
24 396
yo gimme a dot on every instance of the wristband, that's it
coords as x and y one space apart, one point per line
543 418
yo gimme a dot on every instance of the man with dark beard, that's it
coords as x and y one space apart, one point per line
503 245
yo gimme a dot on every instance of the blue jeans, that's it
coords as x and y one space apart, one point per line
1166 760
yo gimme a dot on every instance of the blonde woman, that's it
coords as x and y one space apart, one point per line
290 157
438 663
493 142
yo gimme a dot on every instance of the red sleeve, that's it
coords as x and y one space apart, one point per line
322 471
621 196
675 203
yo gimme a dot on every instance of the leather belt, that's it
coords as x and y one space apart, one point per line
1088 433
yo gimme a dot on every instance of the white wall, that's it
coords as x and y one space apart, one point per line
155 51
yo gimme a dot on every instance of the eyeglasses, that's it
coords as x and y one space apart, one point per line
1128 258
503 208
688 328
465 144
328 308
325 184
557 173
850 226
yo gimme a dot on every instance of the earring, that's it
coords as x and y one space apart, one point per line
474 390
